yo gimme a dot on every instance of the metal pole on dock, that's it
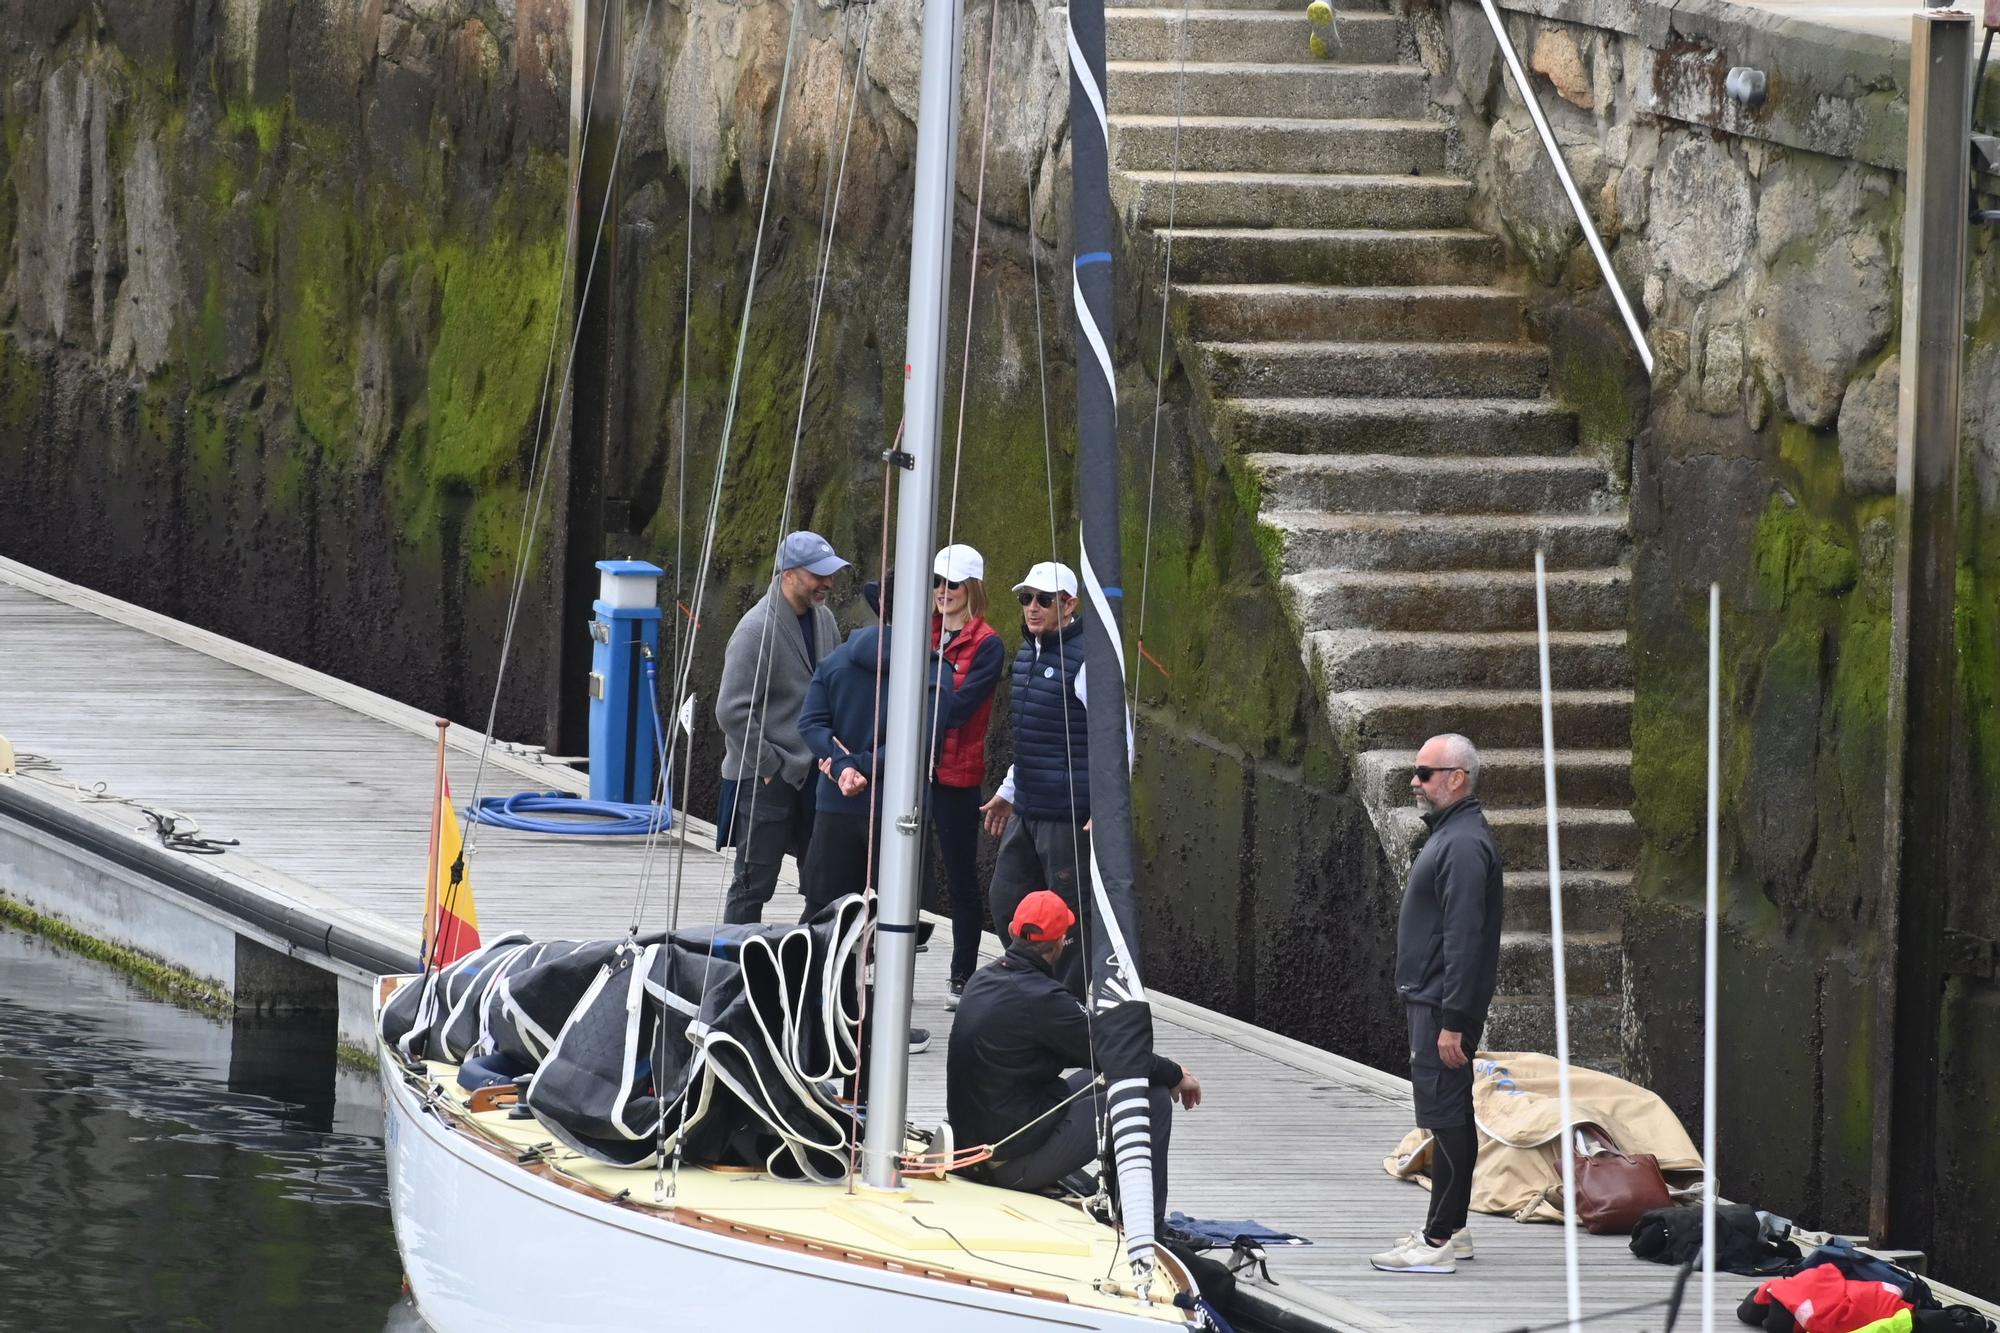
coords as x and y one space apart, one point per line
1567 1152
1711 960
1922 645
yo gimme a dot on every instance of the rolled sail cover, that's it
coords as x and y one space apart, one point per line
729 1045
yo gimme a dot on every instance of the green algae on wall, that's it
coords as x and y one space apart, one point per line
154 975
498 302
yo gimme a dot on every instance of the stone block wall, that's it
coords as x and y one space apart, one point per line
278 294
1763 247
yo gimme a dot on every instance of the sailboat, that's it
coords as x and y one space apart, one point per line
579 1198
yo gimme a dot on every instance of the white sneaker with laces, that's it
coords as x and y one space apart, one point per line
1461 1243
1416 1257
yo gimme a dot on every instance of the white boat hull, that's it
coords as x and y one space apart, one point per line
489 1247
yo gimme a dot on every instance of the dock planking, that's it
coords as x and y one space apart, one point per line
327 786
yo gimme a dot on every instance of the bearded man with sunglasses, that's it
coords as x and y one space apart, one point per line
1447 964
1048 786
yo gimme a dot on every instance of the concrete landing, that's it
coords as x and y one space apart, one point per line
1879 18
326 787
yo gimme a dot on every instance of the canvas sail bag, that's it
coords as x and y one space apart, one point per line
1517 1113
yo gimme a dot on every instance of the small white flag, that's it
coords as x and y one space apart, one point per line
687 716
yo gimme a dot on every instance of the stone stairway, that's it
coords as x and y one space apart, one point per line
1359 352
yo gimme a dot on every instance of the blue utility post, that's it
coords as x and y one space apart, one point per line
626 628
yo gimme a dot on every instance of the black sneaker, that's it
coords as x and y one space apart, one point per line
920 1040
952 994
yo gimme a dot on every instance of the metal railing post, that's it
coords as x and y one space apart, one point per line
1583 217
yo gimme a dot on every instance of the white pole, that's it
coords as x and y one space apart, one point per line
901 773
1709 964
1568 1153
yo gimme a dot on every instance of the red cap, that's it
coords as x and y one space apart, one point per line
1042 915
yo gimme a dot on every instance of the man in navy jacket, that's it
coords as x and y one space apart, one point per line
844 725
1447 964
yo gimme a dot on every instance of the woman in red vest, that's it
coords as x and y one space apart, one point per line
960 633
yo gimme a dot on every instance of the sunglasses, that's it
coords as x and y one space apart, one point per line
940 581
1043 599
1426 772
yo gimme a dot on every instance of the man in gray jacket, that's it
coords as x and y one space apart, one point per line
1447 963
767 804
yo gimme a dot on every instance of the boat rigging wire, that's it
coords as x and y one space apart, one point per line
538 490
829 211
722 456
543 455
965 354
1672 1300
1160 368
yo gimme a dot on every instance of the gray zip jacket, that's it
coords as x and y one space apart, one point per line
769 727
1448 936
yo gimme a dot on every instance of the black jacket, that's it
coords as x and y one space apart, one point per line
843 718
1018 1031
1448 936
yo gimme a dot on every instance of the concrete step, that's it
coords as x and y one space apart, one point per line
1363 659
1590 839
1460 601
1584 778
1405 719
1318 540
1257 199
1224 310
1500 429
1274 37
1323 90
1252 143
1593 900
1398 483
1594 962
1371 372
1527 1023
1360 257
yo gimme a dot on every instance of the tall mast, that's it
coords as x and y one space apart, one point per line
1122 1020
909 646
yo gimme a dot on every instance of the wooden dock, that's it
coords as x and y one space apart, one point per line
326 788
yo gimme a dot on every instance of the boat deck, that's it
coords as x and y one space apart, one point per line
326 787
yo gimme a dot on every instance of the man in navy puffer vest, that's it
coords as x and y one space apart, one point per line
1048 787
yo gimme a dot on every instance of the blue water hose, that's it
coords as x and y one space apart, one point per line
579 814
528 811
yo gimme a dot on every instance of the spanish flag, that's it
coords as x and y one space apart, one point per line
451 925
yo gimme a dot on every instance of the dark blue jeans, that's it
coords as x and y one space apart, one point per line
955 825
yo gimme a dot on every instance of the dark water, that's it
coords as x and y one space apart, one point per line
164 1170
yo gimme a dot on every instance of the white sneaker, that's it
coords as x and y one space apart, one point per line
1415 1257
1461 1243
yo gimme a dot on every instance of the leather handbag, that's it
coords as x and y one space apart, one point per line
1614 1189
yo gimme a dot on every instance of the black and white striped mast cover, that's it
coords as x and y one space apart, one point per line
1121 1018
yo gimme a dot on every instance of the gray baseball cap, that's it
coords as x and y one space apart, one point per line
811 552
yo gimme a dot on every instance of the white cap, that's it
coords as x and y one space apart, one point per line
959 563
1049 576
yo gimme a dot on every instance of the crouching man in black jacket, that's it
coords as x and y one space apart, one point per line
1018 1029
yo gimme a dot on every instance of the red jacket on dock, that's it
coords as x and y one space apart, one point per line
961 758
